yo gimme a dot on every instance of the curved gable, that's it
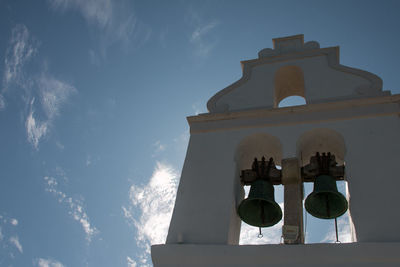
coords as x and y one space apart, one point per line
293 67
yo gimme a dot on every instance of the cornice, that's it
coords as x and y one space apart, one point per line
365 107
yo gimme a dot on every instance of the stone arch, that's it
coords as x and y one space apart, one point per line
288 81
258 145
255 145
327 140
320 140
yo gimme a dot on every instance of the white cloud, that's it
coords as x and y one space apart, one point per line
94 57
88 160
35 130
271 235
98 12
15 241
20 50
199 33
155 202
115 19
2 102
48 263
59 145
9 240
130 262
75 206
344 231
158 148
198 108
249 234
201 38
53 94
14 221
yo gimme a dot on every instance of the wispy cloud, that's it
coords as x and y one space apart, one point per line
75 207
158 148
199 108
48 263
201 42
94 11
20 50
35 130
199 33
15 241
201 38
2 103
14 221
344 231
130 262
115 20
271 235
9 240
155 201
42 91
53 94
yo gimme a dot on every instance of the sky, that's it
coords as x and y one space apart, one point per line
94 96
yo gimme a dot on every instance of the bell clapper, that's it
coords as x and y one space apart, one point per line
260 235
337 234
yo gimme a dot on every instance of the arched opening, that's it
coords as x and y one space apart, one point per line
289 81
259 145
316 230
292 101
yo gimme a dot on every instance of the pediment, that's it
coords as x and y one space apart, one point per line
293 67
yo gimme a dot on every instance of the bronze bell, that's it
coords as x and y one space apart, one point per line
325 202
259 208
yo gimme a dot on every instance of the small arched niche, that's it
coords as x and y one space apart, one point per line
258 145
288 81
290 101
324 140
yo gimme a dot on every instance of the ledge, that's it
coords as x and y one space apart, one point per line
349 254
317 112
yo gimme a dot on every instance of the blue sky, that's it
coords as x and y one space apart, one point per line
93 100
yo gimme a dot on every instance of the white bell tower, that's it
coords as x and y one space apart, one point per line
346 114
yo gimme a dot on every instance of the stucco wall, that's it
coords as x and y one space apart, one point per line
347 255
203 213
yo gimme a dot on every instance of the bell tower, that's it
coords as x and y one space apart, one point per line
348 129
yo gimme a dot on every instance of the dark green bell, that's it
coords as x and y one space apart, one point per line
325 202
260 208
